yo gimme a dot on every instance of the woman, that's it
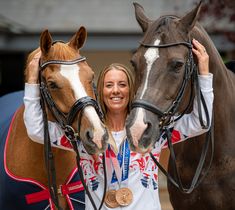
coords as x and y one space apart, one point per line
132 178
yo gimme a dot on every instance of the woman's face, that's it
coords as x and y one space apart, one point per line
116 91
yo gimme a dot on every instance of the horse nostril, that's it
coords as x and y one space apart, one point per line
149 127
89 135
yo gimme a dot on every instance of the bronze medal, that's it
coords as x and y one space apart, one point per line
124 196
110 199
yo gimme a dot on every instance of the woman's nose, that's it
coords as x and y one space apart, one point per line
115 89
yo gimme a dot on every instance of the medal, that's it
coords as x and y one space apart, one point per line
120 162
110 199
124 196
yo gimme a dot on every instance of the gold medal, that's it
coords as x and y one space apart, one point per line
110 199
124 196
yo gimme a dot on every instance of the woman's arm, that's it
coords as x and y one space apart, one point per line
189 124
33 117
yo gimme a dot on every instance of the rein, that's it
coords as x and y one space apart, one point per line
166 118
65 122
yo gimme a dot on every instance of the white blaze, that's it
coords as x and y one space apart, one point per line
71 72
139 126
151 56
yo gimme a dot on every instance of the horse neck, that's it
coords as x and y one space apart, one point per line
216 65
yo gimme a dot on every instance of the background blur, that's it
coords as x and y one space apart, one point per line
113 34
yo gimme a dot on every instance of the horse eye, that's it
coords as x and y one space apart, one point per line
176 65
52 85
133 63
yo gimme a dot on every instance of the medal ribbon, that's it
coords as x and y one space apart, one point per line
110 166
120 163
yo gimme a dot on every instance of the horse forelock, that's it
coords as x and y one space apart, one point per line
162 29
62 51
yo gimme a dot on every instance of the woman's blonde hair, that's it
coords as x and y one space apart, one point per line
100 84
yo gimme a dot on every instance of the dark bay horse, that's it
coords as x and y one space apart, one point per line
164 72
68 80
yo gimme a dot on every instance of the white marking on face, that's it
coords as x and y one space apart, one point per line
150 55
139 126
71 72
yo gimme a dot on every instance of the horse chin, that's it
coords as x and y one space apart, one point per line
147 140
92 148
140 149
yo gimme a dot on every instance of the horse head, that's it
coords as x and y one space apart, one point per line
68 82
162 63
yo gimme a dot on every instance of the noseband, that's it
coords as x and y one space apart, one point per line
172 109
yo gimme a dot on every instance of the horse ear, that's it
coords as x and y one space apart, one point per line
79 38
189 20
45 41
141 18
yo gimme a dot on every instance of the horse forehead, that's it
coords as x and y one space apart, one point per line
62 51
152 53
72 74
162 28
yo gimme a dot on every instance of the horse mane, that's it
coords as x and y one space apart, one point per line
199 33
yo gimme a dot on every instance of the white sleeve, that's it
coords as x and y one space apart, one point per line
189 125
33 119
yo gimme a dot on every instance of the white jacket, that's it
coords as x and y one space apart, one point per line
143 173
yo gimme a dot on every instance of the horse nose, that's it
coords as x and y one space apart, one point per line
136 126
150 136
95 140
145 141
95 136
89 135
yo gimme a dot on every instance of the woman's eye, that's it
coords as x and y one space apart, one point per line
123 84
108 85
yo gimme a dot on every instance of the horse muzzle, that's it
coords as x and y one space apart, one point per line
95 140
142 131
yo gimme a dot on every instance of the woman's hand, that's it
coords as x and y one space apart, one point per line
34 69
202 57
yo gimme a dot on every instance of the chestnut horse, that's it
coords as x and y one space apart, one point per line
216 190
68 81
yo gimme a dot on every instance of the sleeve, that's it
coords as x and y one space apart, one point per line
189 125
33 120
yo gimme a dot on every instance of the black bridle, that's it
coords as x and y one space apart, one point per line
65 122
166 117
172 109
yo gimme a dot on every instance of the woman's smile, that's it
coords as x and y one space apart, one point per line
116 90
